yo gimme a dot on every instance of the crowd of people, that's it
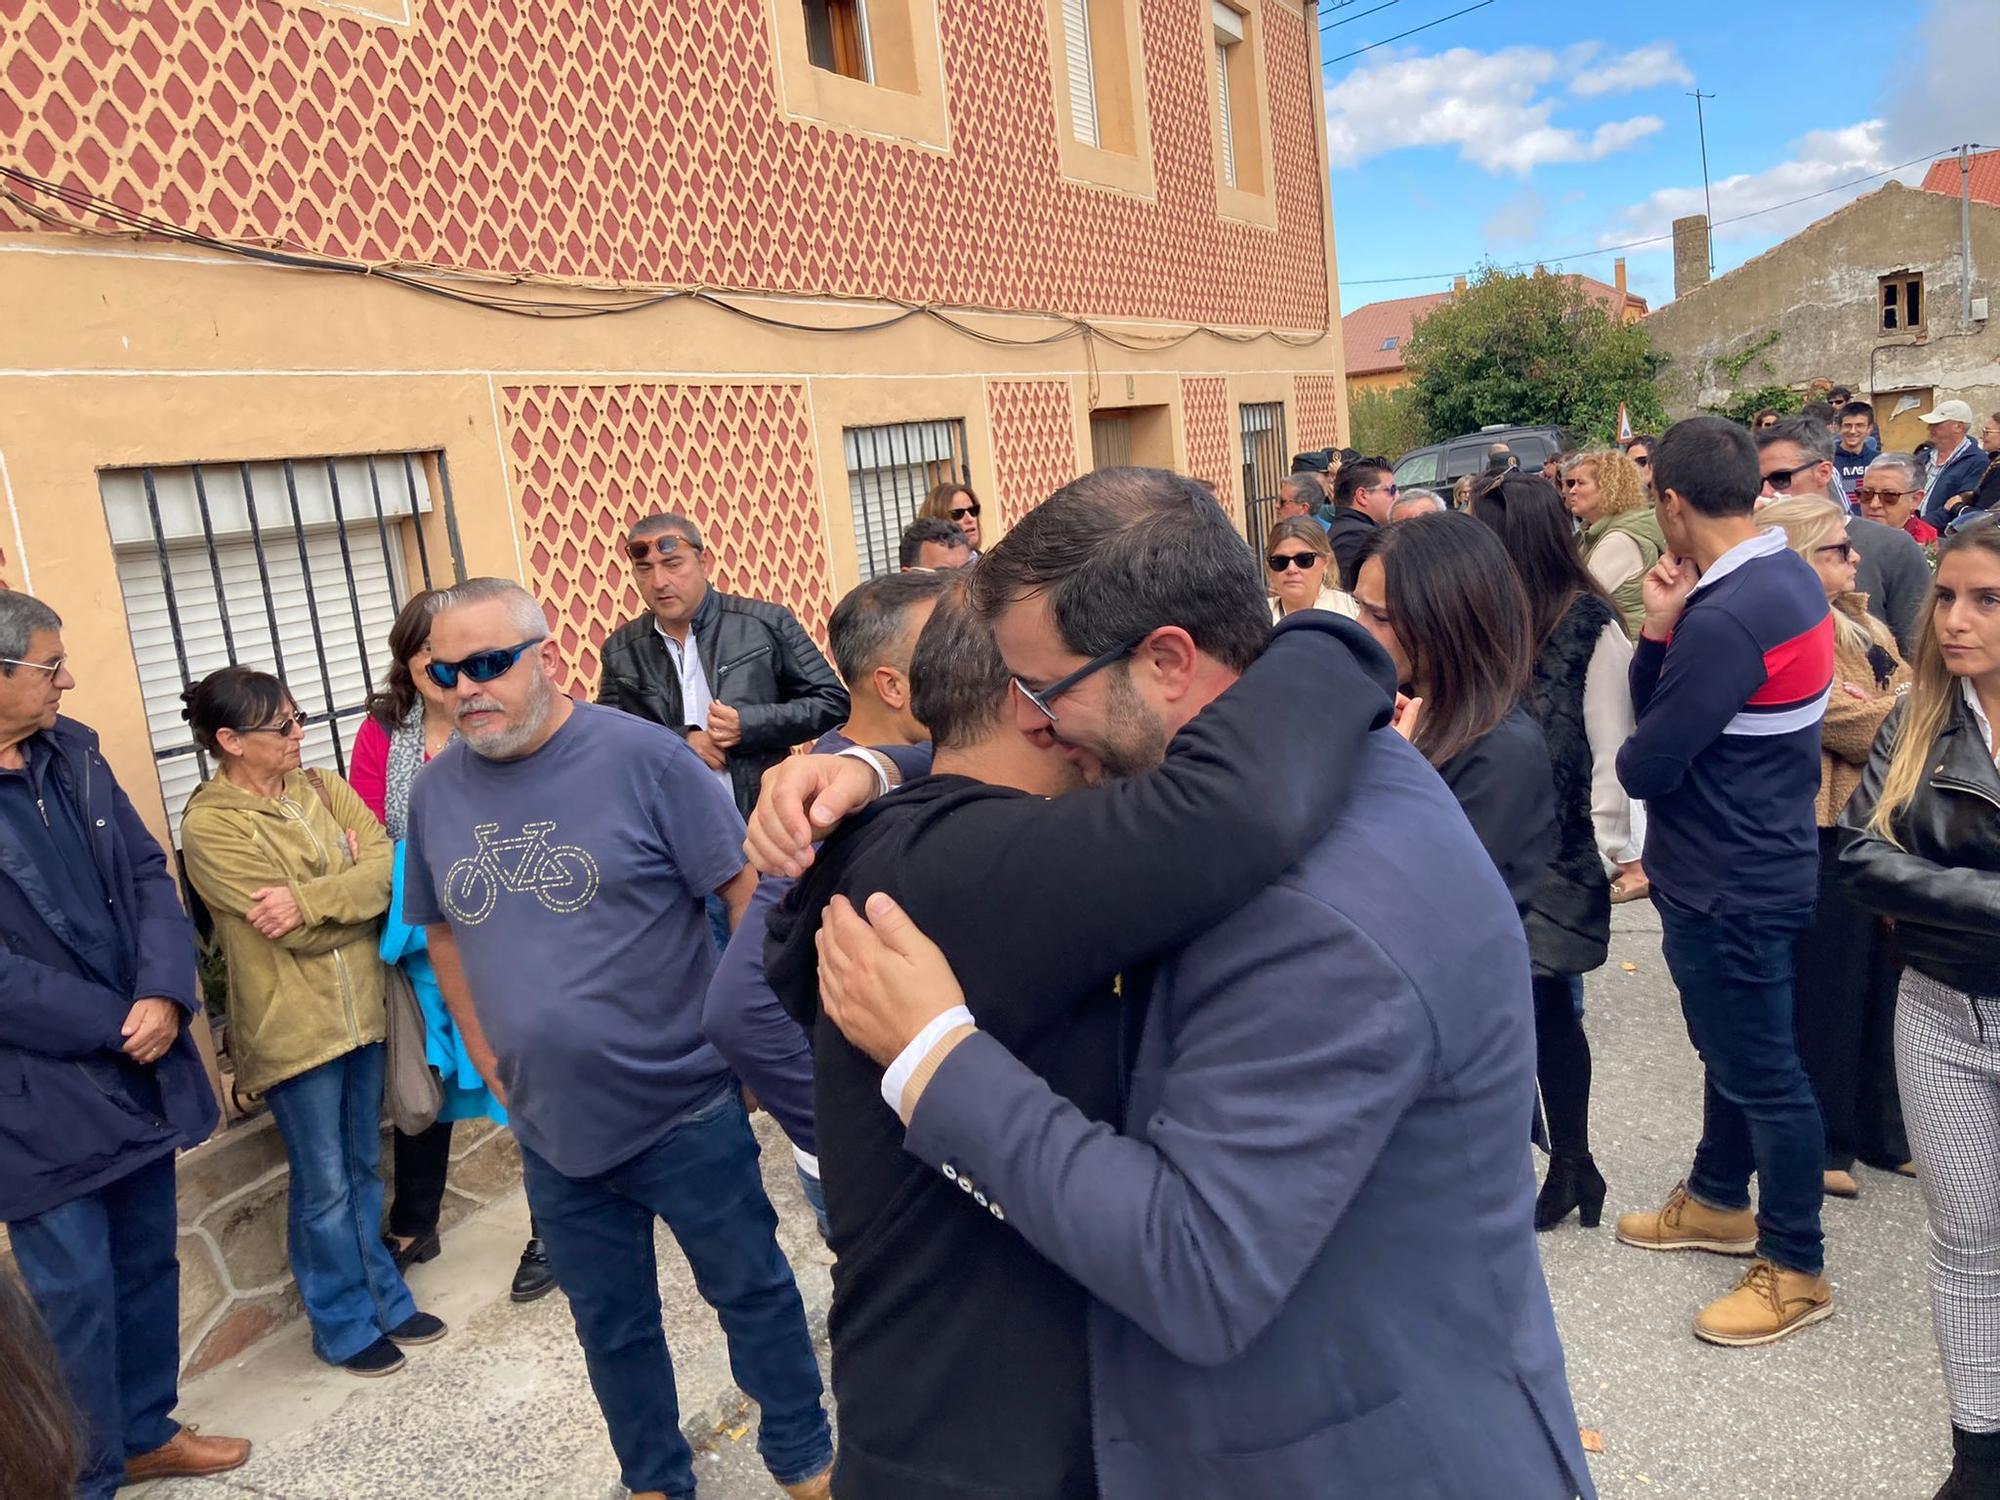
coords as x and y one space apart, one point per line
1121 1205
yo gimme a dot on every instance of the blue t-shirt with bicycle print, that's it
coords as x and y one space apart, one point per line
573 880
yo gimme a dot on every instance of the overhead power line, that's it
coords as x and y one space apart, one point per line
1343 57
1364 15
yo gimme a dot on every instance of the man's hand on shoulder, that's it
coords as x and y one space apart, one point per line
881 981
801 800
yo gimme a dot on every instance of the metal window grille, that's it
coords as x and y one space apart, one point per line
1264 465
890 470
296 567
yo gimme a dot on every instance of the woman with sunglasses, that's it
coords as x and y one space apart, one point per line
408 722
1579 695
296 872
955 502
1844 963
1607 494
1300 561
1923 849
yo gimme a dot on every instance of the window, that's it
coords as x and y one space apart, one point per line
1097 67
1228 25
890 471
837 38
1082 75
1264 464
1391 342
1110 439
1903 302
1124 435
1242 135
296 567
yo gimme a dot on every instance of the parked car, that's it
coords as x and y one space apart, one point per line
1441 465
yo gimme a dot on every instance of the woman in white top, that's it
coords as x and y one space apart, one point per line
1300 561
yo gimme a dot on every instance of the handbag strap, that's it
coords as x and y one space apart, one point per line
318 784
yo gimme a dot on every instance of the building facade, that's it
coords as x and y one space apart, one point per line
1871 297
308 304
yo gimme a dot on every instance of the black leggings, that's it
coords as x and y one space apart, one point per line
421 1162
1562 1064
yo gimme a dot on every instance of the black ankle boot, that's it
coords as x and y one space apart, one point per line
1975 1466
1573 1183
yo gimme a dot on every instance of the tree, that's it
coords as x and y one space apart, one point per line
1525 350
1383 422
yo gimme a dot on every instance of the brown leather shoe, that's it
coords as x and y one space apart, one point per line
1768 1303
819 1487
188 1453
1839 1184
1686 1223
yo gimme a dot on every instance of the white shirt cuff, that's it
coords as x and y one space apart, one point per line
897 1078
873 762
807 1162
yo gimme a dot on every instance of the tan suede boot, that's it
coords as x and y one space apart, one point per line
1686 1223
819 1487
1768 1303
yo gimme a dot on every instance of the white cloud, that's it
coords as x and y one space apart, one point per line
1491 105
1643 68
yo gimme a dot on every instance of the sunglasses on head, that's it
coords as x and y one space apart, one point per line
481 666
656 548
298 720
960 512
1305 562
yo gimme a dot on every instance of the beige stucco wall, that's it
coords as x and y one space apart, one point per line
1818 292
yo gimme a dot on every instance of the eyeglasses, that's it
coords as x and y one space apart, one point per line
1885 496
1098 663
50 667
1305 562
1570 484
1375 489
1640 461
960 512
1781 479
657 549
296 723
481 666
1844 551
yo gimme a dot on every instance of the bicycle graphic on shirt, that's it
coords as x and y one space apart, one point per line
563 877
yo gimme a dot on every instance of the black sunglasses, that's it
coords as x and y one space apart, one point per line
1640 461
481 666
658 548
960 512
1842 550
1305 562
1098 663
298 720
1781 479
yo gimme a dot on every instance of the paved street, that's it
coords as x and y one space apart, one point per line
1852 1408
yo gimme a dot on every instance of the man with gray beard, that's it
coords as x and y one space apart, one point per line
559 856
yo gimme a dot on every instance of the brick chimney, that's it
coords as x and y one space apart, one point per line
1618 275
1690 253
1458 283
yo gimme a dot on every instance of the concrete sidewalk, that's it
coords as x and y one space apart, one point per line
1852 1408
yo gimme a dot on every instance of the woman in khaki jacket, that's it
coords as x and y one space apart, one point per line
295 870
1846 962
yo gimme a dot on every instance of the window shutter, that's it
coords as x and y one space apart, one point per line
1228 122
1082 78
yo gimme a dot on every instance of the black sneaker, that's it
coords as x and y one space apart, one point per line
533 1278
379 1358
418 1328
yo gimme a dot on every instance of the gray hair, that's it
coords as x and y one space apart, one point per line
1808 434
667 523
1428 499
522 607
1904 464
1302 489
22 617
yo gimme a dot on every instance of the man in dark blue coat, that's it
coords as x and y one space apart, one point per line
100 1083
1309 1242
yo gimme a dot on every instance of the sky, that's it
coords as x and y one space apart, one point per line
1539 130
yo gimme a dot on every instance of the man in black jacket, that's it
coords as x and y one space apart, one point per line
737 678
1364 494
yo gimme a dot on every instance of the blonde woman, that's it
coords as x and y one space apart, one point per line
1845 962
1621 535
1299 561
1925 851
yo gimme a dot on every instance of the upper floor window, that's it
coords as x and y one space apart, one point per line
837 38
1082 71
1098 69
1242 128
1230 57
1903 302
1391 342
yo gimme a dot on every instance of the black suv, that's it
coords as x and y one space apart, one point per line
1442 465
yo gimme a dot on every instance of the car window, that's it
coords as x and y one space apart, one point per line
1465 458
1420 468
1531 448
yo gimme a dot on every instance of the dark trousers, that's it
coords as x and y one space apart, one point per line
1734 971
103 1271
703 1180
421 1162
1562 1064
1848 970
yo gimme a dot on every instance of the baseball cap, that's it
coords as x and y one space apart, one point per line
1949 411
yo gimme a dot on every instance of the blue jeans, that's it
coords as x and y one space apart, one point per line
815 1195
103 1271
331 1122
1734 970
703 1180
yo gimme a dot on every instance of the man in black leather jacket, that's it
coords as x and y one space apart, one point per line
737 678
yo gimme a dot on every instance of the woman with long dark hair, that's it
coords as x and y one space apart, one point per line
955 502
40 1432
1578 696
409 721
1439 595
1923 848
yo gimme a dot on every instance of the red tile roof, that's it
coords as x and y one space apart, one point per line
1364 331
1943 177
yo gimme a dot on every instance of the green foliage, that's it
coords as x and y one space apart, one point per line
1733 365
1384 422
1526 350
1782 399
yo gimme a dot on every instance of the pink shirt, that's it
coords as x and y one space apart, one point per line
368 767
